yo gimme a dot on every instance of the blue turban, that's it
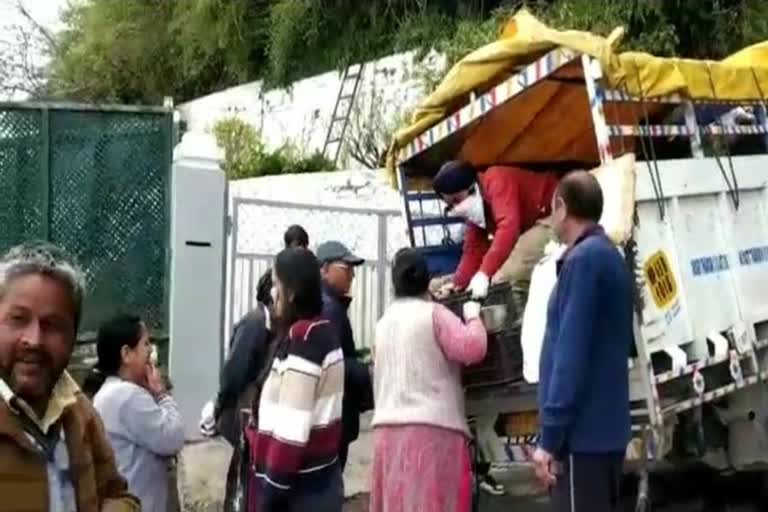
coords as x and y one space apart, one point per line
453 177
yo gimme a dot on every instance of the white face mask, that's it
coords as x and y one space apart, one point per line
472 209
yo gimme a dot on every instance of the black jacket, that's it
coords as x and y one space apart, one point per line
358 389
248 349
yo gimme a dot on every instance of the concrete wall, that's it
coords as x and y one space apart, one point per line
301 114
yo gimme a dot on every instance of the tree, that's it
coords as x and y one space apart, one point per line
142 50
219 42
116 51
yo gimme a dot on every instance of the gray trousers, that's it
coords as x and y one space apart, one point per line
588 483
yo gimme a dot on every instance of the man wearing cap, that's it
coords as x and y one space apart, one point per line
506 209
337 267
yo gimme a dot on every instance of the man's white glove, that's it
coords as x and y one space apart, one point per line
478 286
207 421
471 310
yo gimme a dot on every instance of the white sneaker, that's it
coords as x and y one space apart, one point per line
491 486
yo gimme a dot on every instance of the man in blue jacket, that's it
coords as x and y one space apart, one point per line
584 386
338 266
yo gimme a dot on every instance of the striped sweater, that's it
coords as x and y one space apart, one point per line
295 449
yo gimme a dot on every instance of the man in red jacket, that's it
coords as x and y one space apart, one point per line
506 210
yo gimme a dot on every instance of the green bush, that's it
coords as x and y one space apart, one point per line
245 155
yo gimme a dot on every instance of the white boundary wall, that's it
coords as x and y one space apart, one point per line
301 113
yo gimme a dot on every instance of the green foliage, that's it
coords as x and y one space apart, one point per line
141 50
245 156
292 28
242 147
218 42
112 50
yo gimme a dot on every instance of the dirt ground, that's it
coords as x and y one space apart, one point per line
358 503
203 466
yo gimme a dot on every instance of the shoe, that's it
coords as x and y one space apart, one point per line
491 486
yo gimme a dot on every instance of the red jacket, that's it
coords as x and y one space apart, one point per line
514 200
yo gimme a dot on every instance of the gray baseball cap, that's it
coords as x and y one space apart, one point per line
329 252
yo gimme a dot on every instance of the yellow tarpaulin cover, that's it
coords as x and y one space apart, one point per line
742 76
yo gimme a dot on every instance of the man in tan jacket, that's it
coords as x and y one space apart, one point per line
54 454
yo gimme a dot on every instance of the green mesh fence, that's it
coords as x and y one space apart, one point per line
95 182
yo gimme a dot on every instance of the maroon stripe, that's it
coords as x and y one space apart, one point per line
299 330
281 458
324 440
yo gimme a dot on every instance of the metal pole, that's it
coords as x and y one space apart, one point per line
45 134
232 263
223 307
381 264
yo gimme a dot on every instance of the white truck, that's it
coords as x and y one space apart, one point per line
698 245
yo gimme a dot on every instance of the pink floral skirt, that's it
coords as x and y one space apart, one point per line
418 468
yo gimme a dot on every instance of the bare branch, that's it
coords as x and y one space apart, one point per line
41 30
22 52
370 131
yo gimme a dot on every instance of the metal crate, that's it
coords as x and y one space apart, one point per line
503 363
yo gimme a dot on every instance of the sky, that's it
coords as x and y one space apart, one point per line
45 12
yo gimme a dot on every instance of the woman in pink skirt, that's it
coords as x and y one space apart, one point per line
421 439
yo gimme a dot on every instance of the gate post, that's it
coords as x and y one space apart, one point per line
198 205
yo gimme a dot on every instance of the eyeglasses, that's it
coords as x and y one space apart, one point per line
344 266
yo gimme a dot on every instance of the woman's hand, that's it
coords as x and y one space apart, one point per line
208 420
155 383
471 310
442 287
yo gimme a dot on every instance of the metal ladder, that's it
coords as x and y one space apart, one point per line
334 139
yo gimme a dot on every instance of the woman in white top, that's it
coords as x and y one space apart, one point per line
142 420
421 453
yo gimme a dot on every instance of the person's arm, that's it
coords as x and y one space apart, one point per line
472 251
463 343
578 287
155 425
502 193
111 487
241 368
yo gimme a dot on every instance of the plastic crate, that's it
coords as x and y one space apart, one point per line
441 259
503 363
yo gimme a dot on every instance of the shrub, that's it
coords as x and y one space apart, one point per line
245 155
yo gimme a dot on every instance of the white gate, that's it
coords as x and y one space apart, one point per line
256 237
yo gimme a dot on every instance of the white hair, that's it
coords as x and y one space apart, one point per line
45 259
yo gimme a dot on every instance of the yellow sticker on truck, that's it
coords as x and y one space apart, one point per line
660 279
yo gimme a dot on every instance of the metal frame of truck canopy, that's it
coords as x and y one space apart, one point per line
571 91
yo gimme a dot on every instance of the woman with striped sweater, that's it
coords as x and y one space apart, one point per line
294 437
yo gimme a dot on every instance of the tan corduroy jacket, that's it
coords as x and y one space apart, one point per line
23 476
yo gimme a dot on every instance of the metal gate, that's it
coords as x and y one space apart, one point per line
256 238
94 181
